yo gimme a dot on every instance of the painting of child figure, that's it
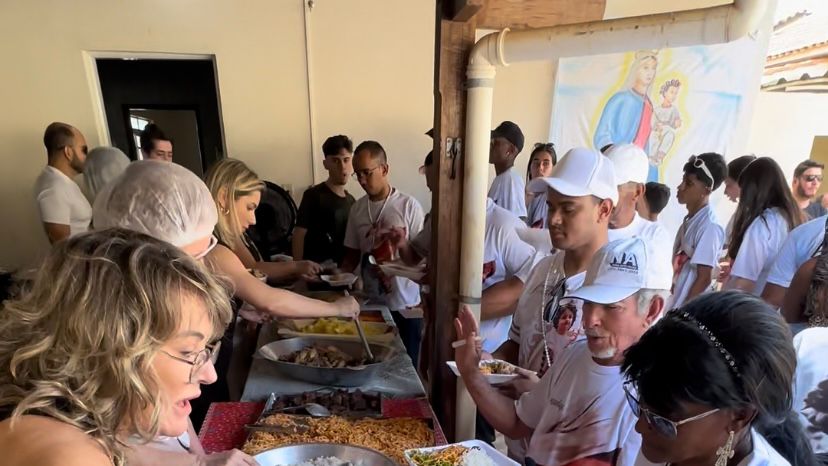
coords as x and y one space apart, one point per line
666 121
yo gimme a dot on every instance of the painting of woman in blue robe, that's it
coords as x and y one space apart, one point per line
627 115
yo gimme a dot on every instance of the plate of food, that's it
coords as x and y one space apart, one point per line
469 453
339 279
336 328
398 269
391 437
495 370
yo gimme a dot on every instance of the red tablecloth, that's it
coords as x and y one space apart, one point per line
223 428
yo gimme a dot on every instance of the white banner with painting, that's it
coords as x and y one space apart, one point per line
673 103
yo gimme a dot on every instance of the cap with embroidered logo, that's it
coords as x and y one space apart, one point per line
622 268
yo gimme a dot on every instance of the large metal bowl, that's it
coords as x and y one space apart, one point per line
296 454
341 377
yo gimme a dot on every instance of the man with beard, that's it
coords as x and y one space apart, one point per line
806 183
323 213
63 208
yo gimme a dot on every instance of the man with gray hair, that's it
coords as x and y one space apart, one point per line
578 410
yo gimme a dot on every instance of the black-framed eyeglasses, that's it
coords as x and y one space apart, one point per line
812 178
209 353
660 424
364 173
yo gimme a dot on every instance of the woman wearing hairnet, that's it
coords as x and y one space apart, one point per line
170 203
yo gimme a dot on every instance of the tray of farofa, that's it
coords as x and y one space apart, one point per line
391 436
335 329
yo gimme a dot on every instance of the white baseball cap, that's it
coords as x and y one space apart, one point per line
630 163
622 268
583 172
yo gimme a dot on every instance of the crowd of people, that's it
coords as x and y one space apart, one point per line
633 346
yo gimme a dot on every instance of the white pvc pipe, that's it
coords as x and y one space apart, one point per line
713 25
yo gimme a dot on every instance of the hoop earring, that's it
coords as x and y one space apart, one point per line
224 211
726 452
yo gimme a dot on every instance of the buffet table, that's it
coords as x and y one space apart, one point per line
398 380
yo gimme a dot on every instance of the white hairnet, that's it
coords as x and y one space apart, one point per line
103 164
163 200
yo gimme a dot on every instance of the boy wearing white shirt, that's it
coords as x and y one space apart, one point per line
700 238
371 218
578 411
508 189
631 170
64 210
580 195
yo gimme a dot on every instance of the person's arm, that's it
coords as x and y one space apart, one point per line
704 276
740 283
498 409
793 304
147 455
500 299
298 243
399 238
754 251
774 295
278 271
276 302
56 231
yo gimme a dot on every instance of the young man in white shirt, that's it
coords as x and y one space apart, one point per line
578 411
507 261
699 240
508 189
631 170
371 220
63 208
580 196
802 244
155 144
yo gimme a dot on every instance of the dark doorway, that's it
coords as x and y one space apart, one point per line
180 96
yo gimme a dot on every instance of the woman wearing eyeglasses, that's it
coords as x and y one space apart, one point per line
711 384
108 348
766 214
541 162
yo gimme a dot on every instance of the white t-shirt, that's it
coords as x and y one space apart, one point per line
698 242
526 329
802 244
537 212
762 455
651 232
811 385
509 191
400 210
61 201
505 255
578 411
760 245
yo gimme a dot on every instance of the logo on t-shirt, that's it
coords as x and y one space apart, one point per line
625 262
488 270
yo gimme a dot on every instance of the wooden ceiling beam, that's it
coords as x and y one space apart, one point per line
526 14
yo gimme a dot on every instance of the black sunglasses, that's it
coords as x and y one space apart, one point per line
660 424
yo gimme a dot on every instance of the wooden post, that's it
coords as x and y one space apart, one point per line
452 44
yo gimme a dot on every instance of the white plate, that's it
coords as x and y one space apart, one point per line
399 270
345 279
493 379
497 457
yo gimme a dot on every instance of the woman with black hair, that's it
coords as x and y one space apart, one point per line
767 212
541 162
711 384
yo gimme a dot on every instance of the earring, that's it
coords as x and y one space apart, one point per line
224 211
726 452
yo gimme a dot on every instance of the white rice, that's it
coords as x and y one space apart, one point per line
476 457
326 461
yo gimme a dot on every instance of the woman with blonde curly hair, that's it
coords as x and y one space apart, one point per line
109 346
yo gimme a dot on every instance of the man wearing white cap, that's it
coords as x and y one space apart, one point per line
631 170
579 196
578 411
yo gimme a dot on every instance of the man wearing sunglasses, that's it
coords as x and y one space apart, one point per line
578 411
806 183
